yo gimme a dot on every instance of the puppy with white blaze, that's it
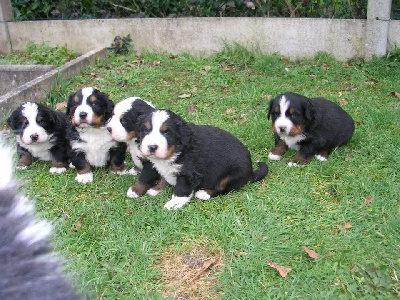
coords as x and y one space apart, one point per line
124 126
90 142
29 269
311 126
198 160
40 133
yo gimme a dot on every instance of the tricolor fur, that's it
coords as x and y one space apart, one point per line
41 134
124 126
311 126
28 267
91 143
198 160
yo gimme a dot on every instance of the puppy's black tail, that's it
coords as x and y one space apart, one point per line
261 172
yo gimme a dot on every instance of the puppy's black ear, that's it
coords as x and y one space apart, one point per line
185 132
108 101
69 103
271 102
309 110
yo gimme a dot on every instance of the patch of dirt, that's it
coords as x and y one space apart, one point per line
191 273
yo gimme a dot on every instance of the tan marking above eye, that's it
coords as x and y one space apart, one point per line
76 98
121 116
24 120
39 118
292 111
92 98
147 125
164 128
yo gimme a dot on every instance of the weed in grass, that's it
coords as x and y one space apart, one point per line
117 246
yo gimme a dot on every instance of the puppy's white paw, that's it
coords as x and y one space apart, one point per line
123 172
202 195
55 170
71 166
153 192
320 157
84 178
293 164
177 202
132 171
272 156
131 194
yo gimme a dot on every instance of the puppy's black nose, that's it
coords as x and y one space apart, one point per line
34 137
282 129
82 115
109 129
153 148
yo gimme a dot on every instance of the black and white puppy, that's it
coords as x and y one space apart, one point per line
312 126
41 134
198 160
90 142
124 126
29 268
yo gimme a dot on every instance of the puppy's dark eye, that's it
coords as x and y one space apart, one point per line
166 133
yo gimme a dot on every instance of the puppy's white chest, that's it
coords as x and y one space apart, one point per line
292 141
96 143
167 169
41 150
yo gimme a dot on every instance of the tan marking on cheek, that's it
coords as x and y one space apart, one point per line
86 169
97 121
170 152
131 135
147 125
296 130
25 160
280 148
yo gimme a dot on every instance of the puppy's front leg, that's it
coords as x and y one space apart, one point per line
117 159
146 180
279 150
85 174
25 158
183 192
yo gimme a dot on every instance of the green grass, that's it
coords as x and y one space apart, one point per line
115 250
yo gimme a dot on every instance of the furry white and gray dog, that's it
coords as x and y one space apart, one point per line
29 268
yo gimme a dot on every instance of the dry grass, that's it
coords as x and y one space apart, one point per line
191 272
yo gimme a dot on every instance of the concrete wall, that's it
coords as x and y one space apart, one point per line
292 37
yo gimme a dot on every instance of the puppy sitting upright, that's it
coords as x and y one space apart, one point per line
41 134
313 126
91 143
124 126
198 160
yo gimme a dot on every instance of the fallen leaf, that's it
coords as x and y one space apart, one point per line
207 68
192 108
138 54
348 158
343 102
346 225
325 66
266 97
396 94
368 200
61 105
78 223
357 122
230 111
156 63
311 253
250 5
283 271
183 96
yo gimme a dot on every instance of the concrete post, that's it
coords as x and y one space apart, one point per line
376 35
5 16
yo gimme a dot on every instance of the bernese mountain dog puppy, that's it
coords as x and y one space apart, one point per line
90 142
198 160
311 126
124 126
41 134
28 266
